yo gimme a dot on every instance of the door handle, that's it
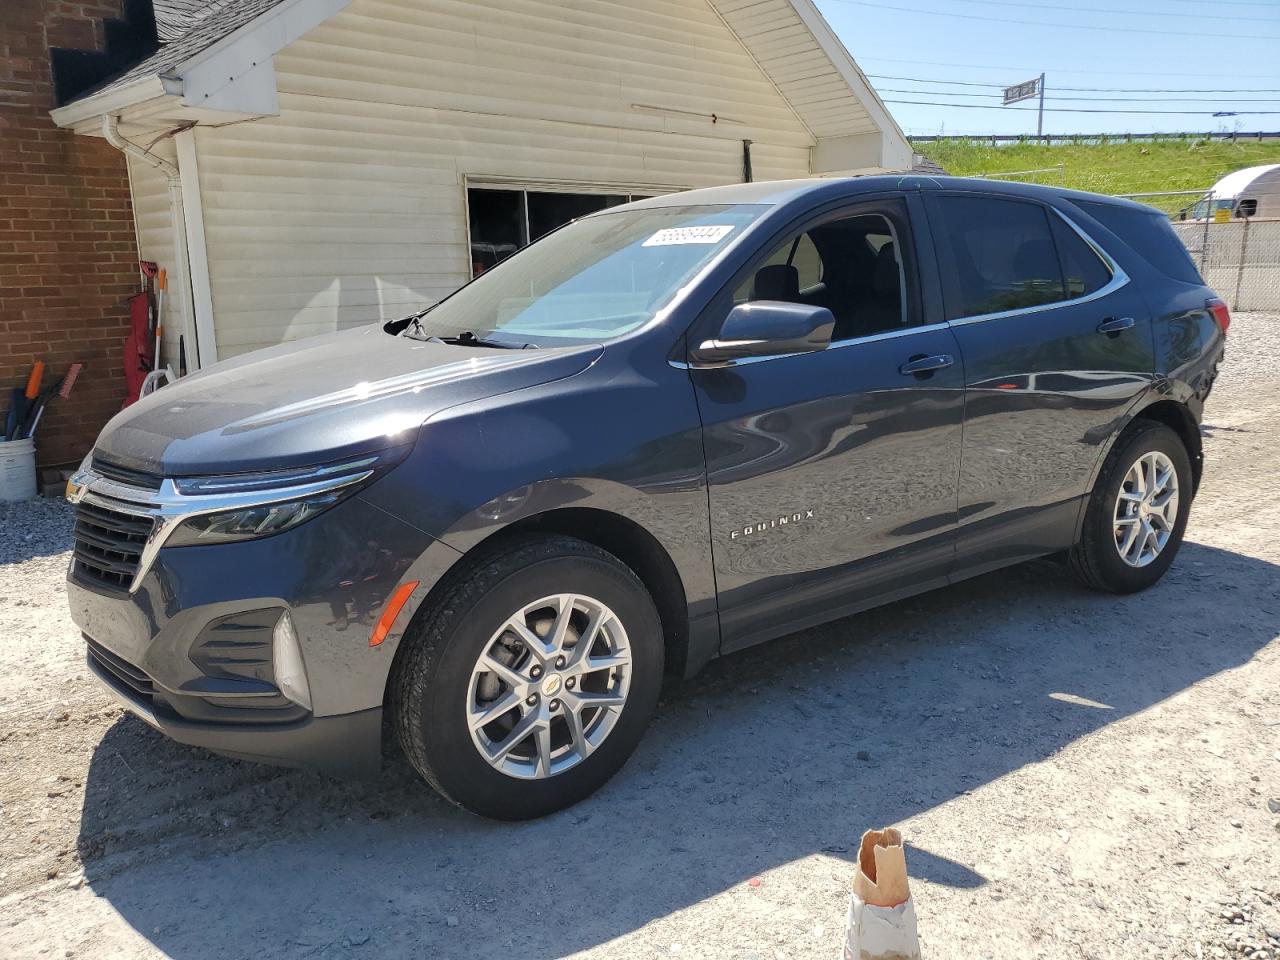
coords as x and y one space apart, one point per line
1115 324
925 365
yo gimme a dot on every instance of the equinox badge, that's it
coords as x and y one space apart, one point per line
798 517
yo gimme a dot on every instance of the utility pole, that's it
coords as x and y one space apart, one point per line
1040 118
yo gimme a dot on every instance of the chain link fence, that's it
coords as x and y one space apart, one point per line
1238 256
1240 259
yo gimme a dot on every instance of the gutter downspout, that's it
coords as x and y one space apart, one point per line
110 130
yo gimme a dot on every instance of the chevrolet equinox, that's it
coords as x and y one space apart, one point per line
664 432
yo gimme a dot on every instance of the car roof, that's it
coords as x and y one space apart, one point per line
821 189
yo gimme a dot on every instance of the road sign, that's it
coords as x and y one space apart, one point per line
1022 91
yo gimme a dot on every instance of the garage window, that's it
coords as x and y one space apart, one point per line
502 221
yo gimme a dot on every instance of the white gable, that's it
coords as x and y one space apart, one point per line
211 78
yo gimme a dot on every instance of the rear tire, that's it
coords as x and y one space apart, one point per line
443 687
1134 523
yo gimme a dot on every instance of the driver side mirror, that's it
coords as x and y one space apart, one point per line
765 328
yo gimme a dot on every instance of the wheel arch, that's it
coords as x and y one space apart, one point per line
636 547
1177 418
627 540
1172 414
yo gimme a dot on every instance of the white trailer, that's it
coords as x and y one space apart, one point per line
1251 192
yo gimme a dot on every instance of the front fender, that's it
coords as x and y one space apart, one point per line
614 440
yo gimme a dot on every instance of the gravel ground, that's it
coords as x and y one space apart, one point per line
1077 776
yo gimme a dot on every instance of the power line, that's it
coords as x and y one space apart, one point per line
1053 98
1000 86
954 83
1111 12
996 106
1119 73
1232 3
1170 90
1057 25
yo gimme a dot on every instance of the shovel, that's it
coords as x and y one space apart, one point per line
158 376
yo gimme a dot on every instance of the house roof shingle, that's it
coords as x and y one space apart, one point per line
922 164
185 28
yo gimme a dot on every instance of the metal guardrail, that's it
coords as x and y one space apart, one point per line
1091 137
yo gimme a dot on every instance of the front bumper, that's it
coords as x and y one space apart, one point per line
348 745
190 650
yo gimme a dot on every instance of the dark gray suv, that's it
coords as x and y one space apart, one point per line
664 432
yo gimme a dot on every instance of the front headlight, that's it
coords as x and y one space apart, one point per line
247 506
252 522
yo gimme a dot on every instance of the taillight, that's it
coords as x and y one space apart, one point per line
1220 312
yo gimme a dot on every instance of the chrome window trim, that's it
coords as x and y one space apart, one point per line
1118 279
839 345
168 509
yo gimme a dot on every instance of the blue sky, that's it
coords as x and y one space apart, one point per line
1133 46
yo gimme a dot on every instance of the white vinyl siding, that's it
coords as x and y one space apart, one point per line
349 206
155 237
776 36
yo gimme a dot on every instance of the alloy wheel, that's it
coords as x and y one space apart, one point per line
1146 509
549 686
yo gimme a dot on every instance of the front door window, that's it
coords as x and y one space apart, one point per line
855 266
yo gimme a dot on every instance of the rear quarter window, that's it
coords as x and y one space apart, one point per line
1082 271
1150 235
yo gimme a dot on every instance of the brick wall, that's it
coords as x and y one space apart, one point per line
68 254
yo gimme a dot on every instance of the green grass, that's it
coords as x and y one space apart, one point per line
1179 163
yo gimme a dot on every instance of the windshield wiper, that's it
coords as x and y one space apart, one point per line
413 328
401 327
468 339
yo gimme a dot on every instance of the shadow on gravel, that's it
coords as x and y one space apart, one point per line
781 752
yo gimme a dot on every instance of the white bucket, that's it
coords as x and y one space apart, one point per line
18 470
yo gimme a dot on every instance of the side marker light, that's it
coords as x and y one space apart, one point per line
391 611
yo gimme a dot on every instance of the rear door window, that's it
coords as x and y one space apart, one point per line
1001 255
1150 234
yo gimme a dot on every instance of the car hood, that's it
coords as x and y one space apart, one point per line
315 400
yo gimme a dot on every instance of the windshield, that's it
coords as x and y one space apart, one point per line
1202 208
595 279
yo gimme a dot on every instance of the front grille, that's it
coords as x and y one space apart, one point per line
132 478
108 544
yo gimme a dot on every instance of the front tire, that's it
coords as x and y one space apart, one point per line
531 680
1137 512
